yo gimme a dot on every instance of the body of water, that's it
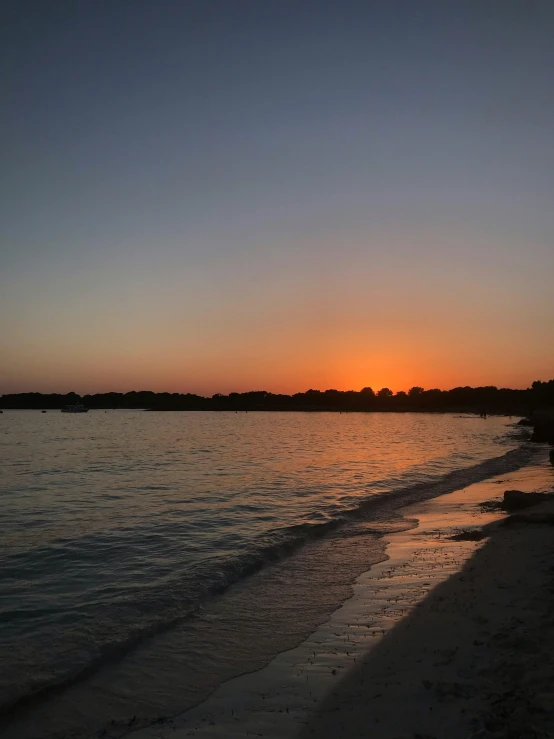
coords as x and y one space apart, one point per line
147 557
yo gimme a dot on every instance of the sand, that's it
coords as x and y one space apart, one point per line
446 639
474 659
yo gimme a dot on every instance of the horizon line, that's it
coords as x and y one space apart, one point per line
269 392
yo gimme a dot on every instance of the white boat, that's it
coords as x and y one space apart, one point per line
77 408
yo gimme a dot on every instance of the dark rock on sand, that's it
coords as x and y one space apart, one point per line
491 505
515 500
469 535
543 427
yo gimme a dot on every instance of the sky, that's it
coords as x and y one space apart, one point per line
231 195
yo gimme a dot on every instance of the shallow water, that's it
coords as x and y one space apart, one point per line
147 557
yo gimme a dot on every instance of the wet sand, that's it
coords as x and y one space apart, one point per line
446 638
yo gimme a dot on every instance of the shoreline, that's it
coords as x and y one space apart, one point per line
329 685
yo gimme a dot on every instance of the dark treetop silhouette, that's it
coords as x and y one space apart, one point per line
460 399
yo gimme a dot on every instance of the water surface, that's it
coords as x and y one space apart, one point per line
146 557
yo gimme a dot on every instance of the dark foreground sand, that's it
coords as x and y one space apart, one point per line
474 659
445 640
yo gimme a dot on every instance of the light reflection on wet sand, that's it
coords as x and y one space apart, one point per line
279 700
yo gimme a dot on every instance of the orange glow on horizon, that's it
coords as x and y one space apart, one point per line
397 370
285 332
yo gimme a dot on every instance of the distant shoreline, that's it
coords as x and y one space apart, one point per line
478 400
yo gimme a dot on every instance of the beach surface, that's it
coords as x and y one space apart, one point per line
448 637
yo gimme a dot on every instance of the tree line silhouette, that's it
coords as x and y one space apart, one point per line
487 399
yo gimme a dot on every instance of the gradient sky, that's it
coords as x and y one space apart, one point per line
219 196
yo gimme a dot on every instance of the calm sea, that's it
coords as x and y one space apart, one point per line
147 557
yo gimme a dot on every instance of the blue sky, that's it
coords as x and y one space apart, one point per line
211 196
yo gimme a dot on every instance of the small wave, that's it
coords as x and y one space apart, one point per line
385 502
109 653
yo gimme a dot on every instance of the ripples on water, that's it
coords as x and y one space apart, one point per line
118 526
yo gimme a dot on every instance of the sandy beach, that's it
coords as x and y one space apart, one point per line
446 638
472 660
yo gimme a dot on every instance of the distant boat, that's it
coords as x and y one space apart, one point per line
77 408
